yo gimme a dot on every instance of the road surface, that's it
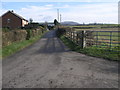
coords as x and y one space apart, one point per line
50 64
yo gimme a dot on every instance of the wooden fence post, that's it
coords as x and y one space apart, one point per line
110 40
83 39
77 38
71 35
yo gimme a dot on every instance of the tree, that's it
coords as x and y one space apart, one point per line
56 22
30 20
46 25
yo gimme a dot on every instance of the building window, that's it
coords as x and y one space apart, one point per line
8 20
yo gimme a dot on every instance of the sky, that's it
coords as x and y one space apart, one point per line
89 11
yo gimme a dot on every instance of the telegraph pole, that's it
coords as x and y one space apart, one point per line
58 14
60 18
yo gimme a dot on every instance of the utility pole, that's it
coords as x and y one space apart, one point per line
58 14
60 18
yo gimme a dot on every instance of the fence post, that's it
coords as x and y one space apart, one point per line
96 38
110 40
77 38
73 36
83 39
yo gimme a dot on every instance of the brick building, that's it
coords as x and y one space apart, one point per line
13 20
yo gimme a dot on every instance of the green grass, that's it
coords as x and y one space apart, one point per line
17 46
110 38
92 51
98 26
114 38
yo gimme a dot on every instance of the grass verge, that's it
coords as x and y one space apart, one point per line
17 46
91 51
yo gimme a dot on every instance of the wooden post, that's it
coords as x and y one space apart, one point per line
71 35
96 38
77 38
83 39
110 40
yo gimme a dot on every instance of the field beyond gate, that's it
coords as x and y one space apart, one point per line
107 39
104 40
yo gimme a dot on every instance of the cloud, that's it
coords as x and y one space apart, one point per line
100 12
59 0
89 12
47 18
38 13
2 11
49 5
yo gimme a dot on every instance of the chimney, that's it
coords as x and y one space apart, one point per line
12 11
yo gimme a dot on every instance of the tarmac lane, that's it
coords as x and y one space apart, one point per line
50 64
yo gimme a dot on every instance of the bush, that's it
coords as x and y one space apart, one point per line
60 31
6 29
13 36
32 26
9 37
28 34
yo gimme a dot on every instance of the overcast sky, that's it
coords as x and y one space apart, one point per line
89 11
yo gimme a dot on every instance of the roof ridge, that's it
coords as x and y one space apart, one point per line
15 15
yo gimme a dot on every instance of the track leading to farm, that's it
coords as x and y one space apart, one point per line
50 64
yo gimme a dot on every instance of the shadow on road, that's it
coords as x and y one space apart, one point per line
51 44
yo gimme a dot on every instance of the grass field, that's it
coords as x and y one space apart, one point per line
110 38
98 29
96 26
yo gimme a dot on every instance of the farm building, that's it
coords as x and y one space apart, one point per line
12 20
